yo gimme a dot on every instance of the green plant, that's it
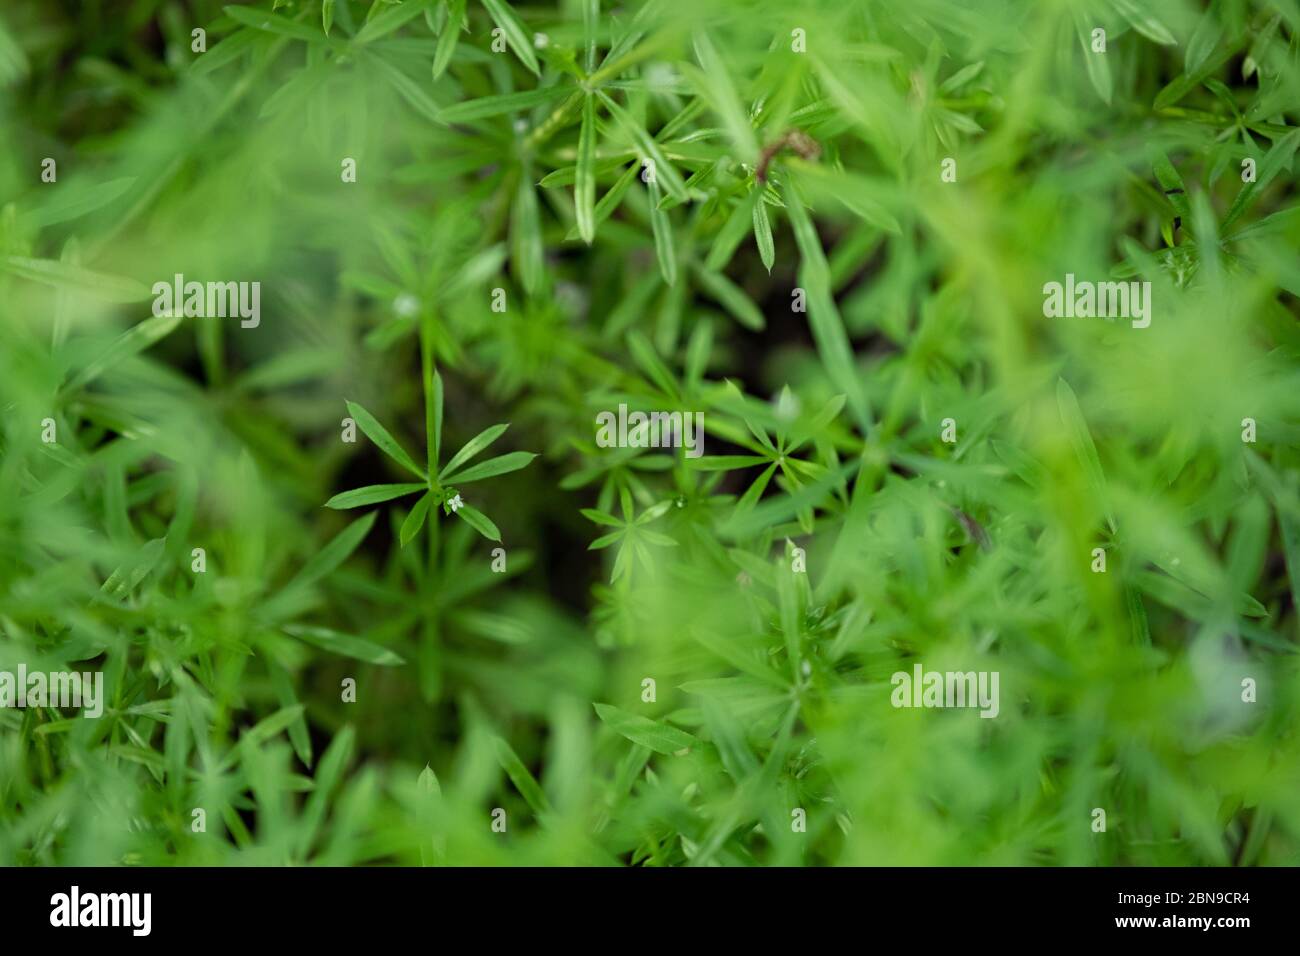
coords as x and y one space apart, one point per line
437 482
825 227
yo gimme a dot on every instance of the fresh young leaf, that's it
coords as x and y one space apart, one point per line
479 522
347 645
373 494
501 465
516 35
385 442
584 193
471 448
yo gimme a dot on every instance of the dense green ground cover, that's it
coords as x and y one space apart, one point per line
915 467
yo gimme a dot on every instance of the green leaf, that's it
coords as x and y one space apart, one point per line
501 465
273 23
428 782
1183 84
328 774
648 360
825 415
288 369
823 317
732 297
763 234
132 573
1145 23
763 515
526 235
388 21
664 171
268 727
590 22
284 692
749 500
406 87
449 36
604 541
611 200
63 275
1076 429
386 443
1281 221
733 231
333 554
1171 182
327 15
962 77
227 51
73 201
715 83
1206 36
584 192
517 36
348 645
479 522
373 494
524 781
13 62
600 517
415 520
724 462
129 343
505 103
662 227
654 511
1097 65
471 448
659 737
1274 161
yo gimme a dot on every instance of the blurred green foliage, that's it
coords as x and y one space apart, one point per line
797 150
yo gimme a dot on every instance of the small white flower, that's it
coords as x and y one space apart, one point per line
406 305
455 504
541 41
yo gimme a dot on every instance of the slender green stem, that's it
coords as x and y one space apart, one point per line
559 117
427 369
